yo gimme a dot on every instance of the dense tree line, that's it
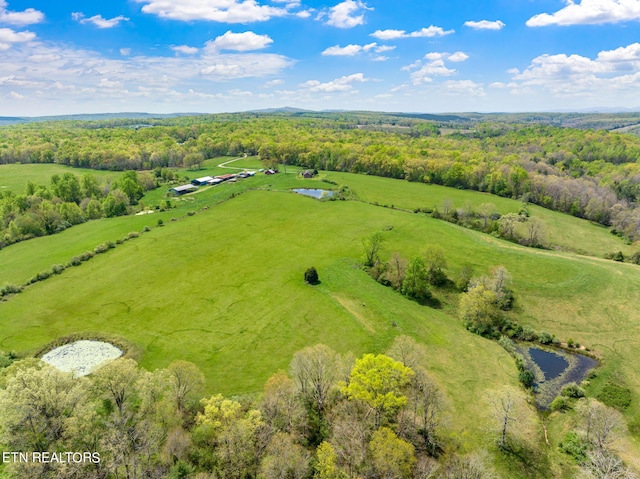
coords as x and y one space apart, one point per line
586 173
331 416
69 200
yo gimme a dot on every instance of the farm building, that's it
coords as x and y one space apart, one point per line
309 173
181 190
201 181
215 181
226 177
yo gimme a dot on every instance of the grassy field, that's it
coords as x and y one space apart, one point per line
223 287
14 177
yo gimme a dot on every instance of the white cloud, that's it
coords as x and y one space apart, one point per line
41 70
98 20
50 57
16 96
485 25
458 57
575 75
272 83
345 14
8 37
125 52
29 16
349 50
225 11
385 48
428 32
589 12
339 84
430 70
464 87
239 42
185 49
435 66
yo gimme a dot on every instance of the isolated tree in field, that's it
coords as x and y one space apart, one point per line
391 457
506 406
311 276
371 247
535 231
379 381
416 280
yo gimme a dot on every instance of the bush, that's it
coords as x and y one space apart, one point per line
75 261
160 222
42 275
574 446
527 333
615 396
572 390
10 289
526 378
133 234
570 343
560 403
57 269
545 338
101 248
311 276
146 229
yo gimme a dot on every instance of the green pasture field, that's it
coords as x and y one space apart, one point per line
564 232
223 287
14 177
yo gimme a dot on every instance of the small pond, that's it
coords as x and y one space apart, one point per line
553 368
315 193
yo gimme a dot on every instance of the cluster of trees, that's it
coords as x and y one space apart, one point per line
331 417
590 174
69 200
483 305
413 278
485 217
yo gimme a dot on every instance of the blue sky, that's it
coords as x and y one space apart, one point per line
164 56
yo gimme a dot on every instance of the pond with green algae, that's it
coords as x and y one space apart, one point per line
554 368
